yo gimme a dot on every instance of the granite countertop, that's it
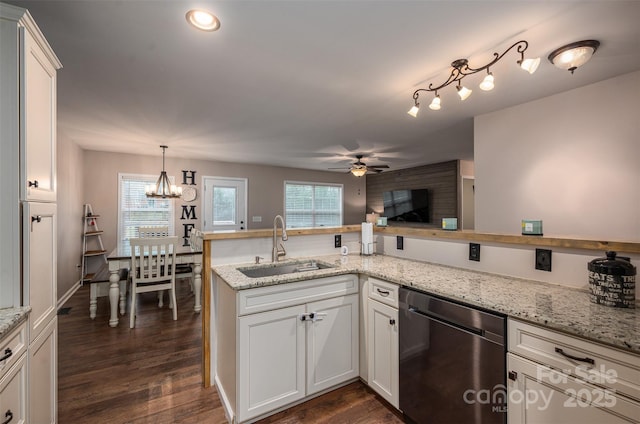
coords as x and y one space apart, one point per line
10 318
553 306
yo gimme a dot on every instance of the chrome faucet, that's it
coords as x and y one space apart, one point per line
275 252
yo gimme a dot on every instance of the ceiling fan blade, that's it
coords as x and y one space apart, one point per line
377 171
342 167
377 166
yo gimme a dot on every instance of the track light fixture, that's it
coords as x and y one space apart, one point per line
461 69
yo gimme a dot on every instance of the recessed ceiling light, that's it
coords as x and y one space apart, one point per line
203 20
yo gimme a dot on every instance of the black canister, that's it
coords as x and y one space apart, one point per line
612 281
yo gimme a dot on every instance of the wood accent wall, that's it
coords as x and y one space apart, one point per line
441 179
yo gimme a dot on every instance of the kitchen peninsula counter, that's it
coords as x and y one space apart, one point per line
553 306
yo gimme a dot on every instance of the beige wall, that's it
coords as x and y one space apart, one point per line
265 186
70 183
570 159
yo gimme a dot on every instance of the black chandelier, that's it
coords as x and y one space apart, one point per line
461 69
163 188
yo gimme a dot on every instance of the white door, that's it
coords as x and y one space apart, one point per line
39 264
332 342
38 97
225 204
537 394
383 350
272 361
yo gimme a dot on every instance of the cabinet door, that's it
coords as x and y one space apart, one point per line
43 382
537 394
271 364
39 264
38 116
383 350
332 342
13 392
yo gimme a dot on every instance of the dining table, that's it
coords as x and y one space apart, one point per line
120 259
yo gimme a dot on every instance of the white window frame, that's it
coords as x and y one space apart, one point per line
152 180
313 213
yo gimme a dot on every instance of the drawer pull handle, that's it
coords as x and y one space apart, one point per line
384 293
575 358
9 416
7 354
33 183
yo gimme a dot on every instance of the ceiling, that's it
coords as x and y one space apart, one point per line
310 84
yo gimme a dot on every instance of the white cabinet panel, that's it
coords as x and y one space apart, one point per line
540 395
271 364
38 107
39 264
13 386
383 351
43 381
332 342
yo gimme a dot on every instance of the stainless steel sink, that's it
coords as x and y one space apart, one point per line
284 268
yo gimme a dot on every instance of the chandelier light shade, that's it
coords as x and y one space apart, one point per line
163 188
462 69
574 55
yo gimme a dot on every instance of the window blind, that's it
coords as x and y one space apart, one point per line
309 205
136 210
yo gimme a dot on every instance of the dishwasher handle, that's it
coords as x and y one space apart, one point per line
445 320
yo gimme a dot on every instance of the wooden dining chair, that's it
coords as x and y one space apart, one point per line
156 231
153 266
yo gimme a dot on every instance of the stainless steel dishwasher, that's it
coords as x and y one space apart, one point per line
452 362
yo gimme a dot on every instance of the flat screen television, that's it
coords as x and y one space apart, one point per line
407 205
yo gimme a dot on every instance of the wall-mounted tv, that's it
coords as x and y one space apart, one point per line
406 205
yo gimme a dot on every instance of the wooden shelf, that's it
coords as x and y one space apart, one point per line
94 252
92 216
93 233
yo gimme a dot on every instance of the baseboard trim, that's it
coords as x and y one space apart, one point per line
74 288
228 410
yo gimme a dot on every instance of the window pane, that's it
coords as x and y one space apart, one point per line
313 205
224 206
136 210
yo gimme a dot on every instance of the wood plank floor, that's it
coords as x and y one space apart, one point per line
151 374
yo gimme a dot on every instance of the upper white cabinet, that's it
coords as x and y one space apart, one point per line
37 117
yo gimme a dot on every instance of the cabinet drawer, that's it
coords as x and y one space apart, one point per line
383 292
288 294
600 365
13 346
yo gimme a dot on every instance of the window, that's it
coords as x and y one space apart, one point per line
136 210
225 203
312 205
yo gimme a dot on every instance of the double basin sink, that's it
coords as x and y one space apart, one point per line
269 270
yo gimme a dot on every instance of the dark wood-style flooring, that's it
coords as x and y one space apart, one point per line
151 374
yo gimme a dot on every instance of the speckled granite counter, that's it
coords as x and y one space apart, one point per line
553 306
10 318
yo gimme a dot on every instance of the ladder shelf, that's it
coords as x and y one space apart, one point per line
92 246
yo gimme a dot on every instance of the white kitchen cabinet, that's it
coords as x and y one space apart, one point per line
286 342
332 342
43 381
13 375
383 340
39 264
554 377
272 360
383 351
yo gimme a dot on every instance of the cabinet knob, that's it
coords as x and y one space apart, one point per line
513 375
33 183
9 416
7 354
392 321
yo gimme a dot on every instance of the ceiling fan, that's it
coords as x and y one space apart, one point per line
359 168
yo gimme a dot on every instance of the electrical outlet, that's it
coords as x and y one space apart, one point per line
474 252
543 259
399 242
337 241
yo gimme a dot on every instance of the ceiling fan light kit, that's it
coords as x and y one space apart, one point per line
359 168
574 55
462 69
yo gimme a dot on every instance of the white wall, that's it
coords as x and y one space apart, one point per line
572 160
